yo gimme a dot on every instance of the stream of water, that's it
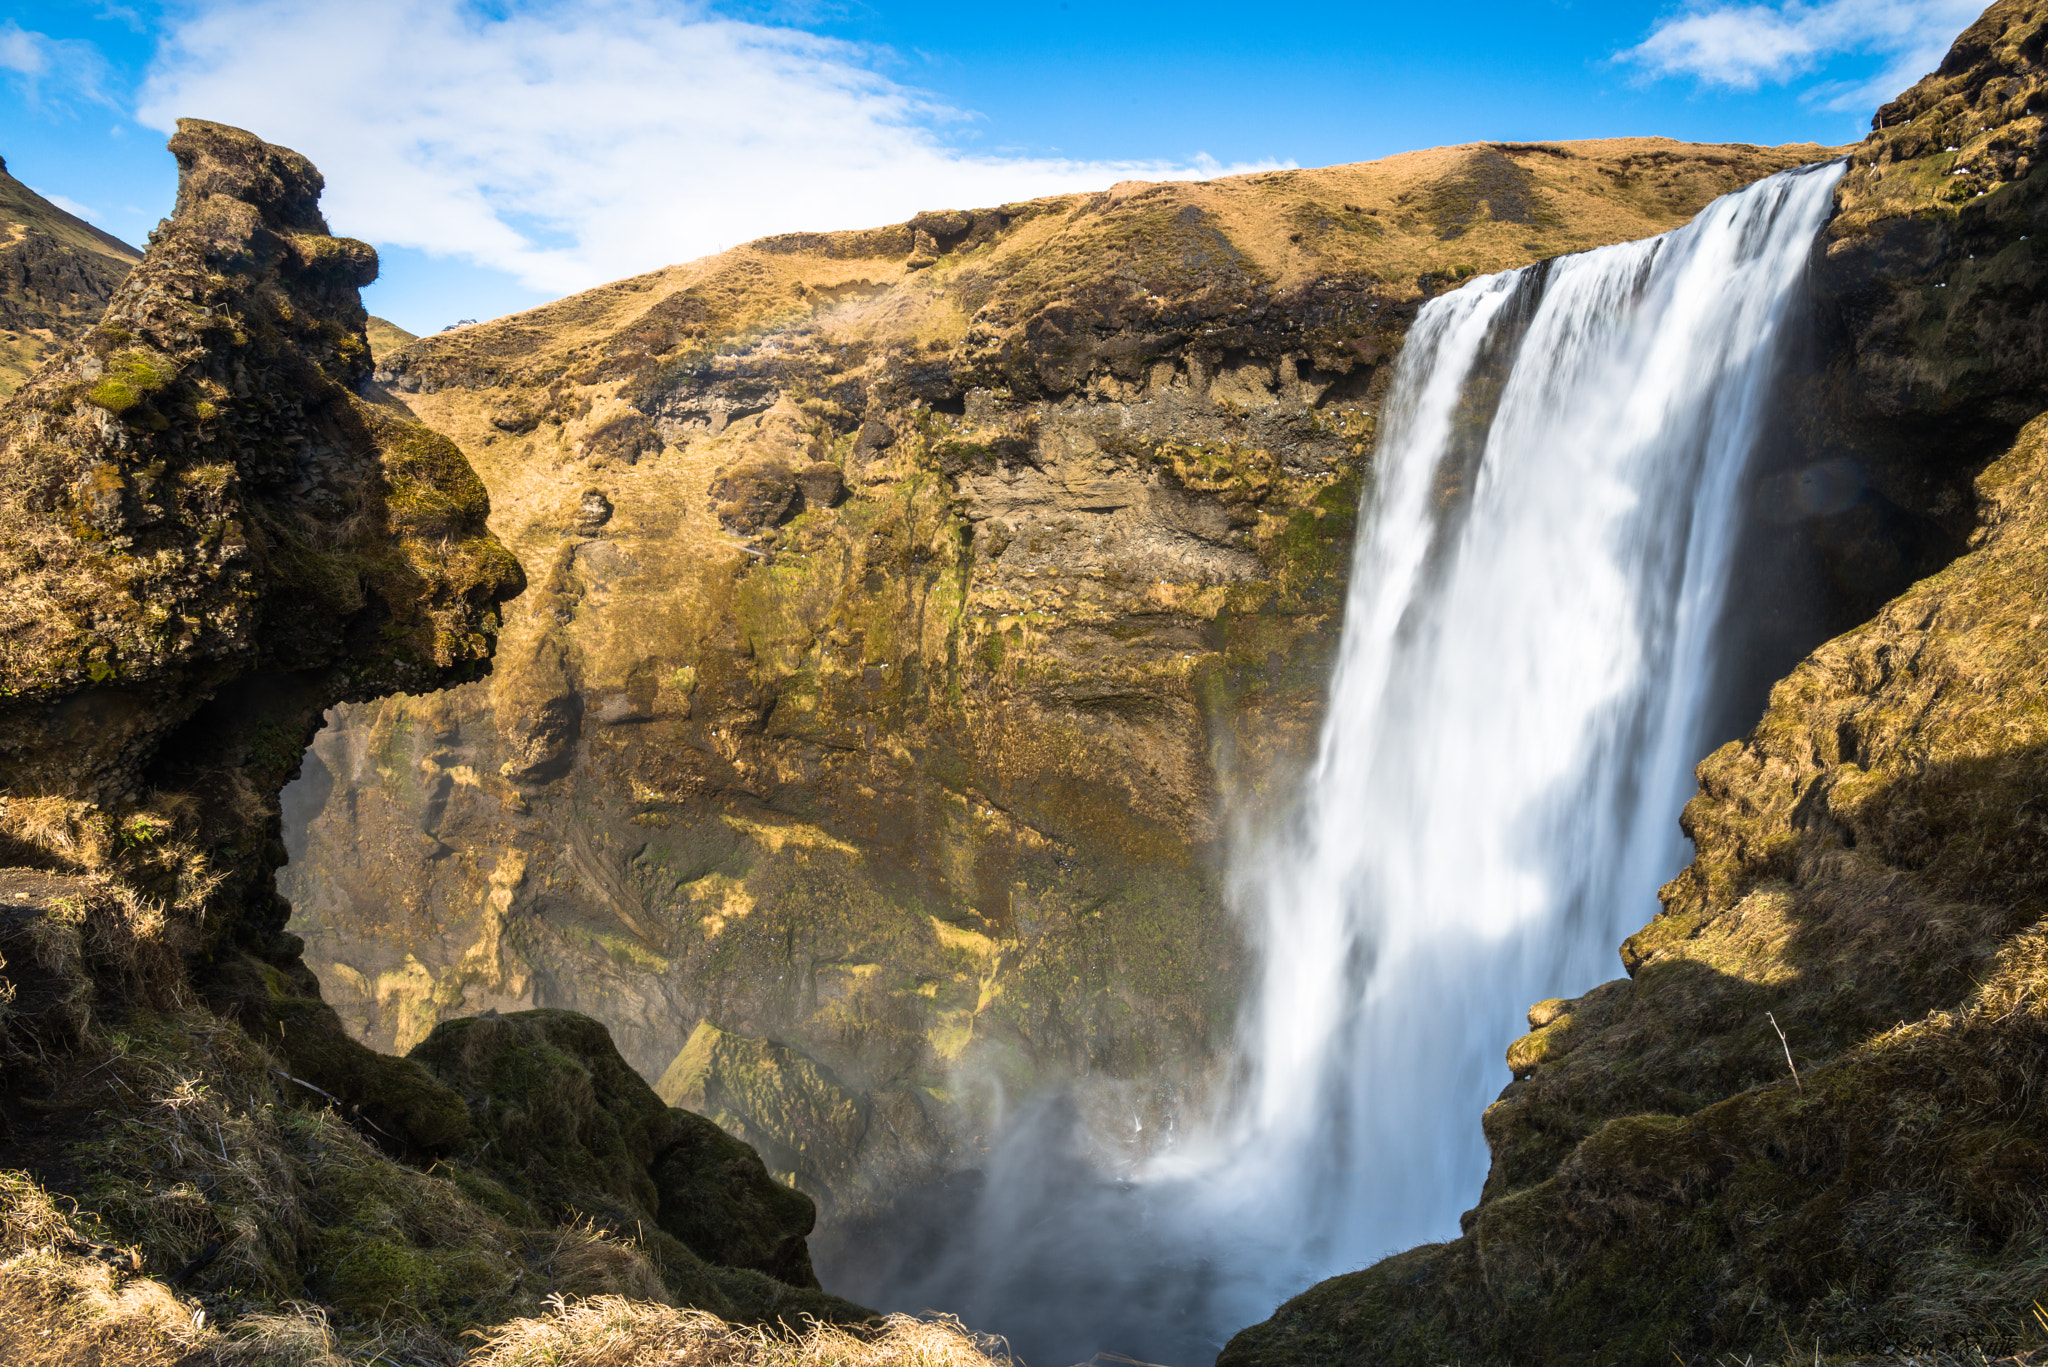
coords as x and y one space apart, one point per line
1519 700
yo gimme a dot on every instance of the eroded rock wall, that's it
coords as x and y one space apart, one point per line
210 538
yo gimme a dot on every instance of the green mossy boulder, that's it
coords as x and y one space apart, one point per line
561 1120
400 1099
717 1197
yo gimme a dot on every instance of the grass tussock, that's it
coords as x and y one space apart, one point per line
612 1331
66 1310
78 1312
108 908
197 1165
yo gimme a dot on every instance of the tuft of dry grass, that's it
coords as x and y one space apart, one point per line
587 1261
295 1336
105 910
78 1312
69 1298
29 1219
611 1331
193 1166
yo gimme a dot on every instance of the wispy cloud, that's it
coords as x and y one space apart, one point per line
52 72
572 143
72 206
1744 46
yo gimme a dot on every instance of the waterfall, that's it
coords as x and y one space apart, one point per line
1517 707
1518 702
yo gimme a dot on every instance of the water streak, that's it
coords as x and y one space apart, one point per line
1519 699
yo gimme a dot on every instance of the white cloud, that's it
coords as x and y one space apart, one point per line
47 70
573 143
1744 46
72 206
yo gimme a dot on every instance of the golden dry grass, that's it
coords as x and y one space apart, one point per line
611 1331
385 336
80 1313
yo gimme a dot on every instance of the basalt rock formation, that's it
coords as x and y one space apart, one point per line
915 609
1809 1120
211 537
57 273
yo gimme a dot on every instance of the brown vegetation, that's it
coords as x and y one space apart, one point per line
609 1331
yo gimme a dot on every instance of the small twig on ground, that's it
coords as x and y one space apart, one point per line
206 1255
322 1091
1788 1050
349 1112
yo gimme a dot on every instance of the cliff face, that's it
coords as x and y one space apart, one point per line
57 273
1871 880
914 611
210 538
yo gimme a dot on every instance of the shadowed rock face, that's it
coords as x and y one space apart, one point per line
203 503
1871 875
212 538
560 1118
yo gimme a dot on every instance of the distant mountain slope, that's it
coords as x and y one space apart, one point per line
386 336
57 273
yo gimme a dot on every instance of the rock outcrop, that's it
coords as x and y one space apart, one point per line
1810 1115
211 537
915 610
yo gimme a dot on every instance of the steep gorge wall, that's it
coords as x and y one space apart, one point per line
914 611
1871 879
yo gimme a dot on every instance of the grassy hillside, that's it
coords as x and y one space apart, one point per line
56 274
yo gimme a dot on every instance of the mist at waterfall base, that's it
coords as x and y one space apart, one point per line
1519 698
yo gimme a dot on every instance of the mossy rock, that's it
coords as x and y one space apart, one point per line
717 1197
565 1124
401 1099
558 1114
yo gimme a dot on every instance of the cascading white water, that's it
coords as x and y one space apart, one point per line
1518 702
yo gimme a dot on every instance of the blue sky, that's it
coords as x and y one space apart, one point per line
505 152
